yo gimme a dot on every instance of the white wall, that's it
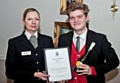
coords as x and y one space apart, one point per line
11 18
100 19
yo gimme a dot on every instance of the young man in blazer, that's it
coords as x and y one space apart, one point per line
100 60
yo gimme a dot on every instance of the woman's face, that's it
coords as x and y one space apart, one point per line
32 22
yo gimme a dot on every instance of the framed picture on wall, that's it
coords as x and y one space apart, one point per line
62 28
65 3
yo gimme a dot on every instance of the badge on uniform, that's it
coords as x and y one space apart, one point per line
24 53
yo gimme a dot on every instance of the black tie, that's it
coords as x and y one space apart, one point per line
33 40
78 43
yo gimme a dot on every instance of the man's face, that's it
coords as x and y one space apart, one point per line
78 20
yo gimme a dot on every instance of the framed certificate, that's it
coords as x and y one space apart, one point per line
58 64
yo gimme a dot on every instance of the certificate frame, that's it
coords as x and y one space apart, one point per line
58 64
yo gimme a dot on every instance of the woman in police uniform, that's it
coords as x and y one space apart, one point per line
24 63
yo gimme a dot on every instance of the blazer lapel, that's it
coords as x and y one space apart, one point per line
40 41
88 40
68 40
26 42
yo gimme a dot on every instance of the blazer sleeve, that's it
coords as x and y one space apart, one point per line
108 59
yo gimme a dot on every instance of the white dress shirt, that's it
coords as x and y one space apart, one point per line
82 39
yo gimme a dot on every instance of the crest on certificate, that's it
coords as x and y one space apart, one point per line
56 53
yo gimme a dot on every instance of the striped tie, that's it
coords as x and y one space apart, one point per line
33 40
78 43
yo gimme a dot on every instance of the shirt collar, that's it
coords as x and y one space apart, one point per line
82 36
28 35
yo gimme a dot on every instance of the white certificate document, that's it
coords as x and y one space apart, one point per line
58 64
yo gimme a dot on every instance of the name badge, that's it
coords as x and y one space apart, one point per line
26 53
